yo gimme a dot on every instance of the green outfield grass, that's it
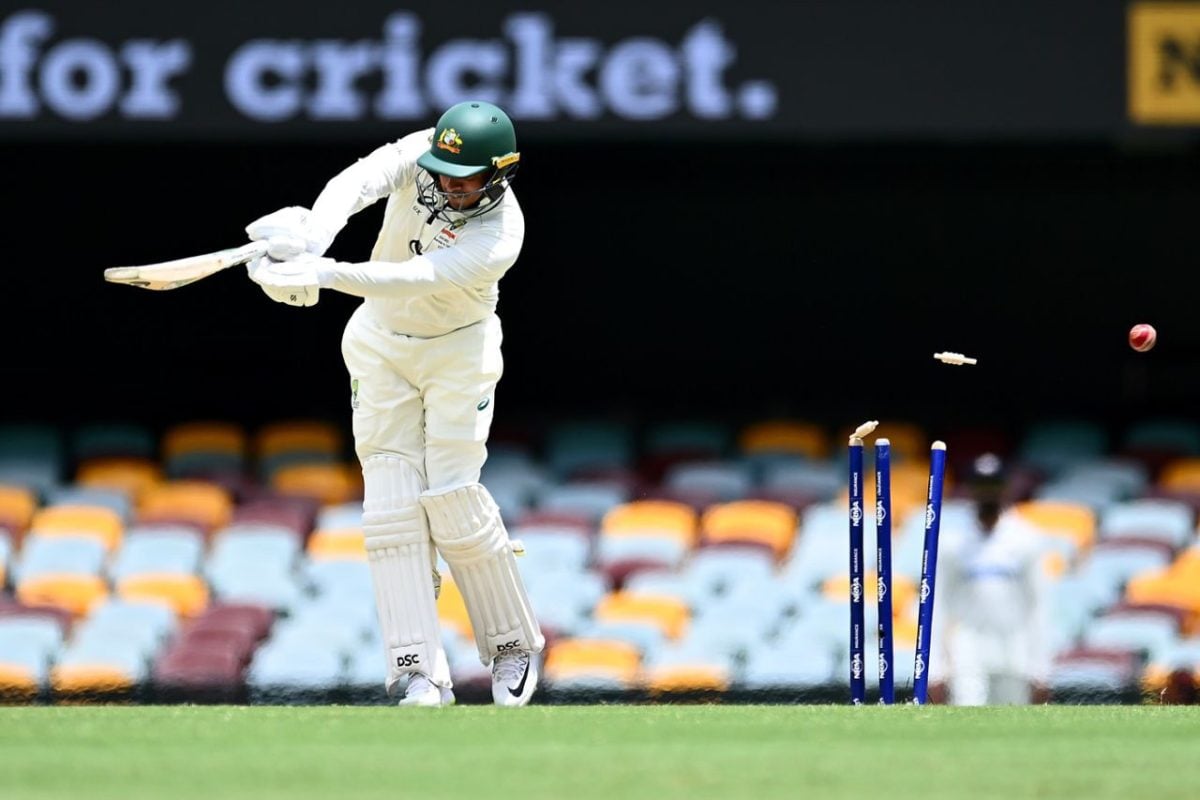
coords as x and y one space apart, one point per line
576 752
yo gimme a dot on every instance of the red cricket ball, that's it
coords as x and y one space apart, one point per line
1142 337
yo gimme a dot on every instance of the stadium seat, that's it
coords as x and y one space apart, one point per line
148 548
1072 521
98 522
589 500
1112 562
701 483
204 505
28 646
1054 445
112 440
131 476
1181 474
77 495
326 545
1150 632
721 570
327 483
294 513
1168 521
1165 435
751 522
255 564
1094 672
646 636
573 445
17 507
552 548
185 593
822 480
670 614
286 442
564 601
784 437
775 668
199 448
293 670
665 518
592 663
33 456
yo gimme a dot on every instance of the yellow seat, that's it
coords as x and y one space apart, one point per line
1181 474
785 436
203 437
205 505
132 476
304 436
666 518
754 521
669 614
1073 521
331 484
75 679
904 590
452 609
187 595
17 507
1165 587
74 593
337 545
18 684
593 658
685 678
96 522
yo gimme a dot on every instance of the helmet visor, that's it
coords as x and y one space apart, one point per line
432 163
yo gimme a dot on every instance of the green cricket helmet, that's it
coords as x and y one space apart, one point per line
470 138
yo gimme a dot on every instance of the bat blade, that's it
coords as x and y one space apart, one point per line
182 271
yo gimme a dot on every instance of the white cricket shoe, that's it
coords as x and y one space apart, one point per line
423 692
514 678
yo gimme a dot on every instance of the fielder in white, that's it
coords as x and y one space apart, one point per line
991 618
423 354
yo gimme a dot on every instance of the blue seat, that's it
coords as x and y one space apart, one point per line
822 479
146 551
571 446
549 547
645 636
1111 564
1168 521
154 623
1181 436
1055 445
723 481
270 547
1152 635
339 516
592 500
683 436
650 550
670 583
74 494
281 668
563 601
776 667
338 579
112 440
1123 477
40 635
126 655
41 554
724 569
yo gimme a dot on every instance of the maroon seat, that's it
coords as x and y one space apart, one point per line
256 618
654 466
798 499
617 572
62 616
200 674
1123 609
297 514
558 519
241 641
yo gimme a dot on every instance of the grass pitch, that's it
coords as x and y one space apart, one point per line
577 752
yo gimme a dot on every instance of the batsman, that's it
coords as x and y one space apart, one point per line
423 355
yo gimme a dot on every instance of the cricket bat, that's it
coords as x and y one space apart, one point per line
182 271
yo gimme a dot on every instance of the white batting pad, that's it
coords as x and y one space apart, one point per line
466 526
401 558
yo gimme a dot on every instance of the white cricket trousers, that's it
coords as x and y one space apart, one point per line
427 401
